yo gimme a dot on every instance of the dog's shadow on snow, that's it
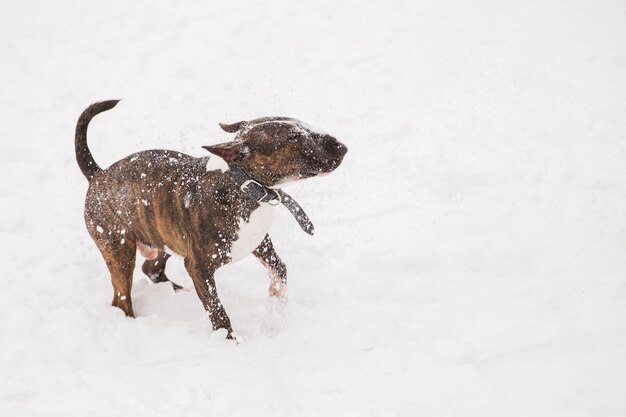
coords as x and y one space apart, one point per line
160 300
254 313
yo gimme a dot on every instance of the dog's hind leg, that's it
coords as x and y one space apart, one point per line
120 259
275 267
155 270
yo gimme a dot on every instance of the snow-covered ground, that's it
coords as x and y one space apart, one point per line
469 256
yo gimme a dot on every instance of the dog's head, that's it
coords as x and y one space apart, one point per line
275 150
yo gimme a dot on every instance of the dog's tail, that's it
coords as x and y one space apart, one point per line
83 155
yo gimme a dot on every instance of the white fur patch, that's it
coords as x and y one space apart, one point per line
216 163
251 234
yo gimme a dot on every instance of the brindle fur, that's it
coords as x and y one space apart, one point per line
166 199
275 266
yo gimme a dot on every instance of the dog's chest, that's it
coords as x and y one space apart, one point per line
251 233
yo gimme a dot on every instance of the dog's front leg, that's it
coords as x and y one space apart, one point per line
201 272
275 267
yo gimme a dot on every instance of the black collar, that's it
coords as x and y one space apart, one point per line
274 196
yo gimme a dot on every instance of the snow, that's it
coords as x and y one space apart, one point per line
187 200
469 258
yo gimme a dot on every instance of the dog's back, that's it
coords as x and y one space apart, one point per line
155 195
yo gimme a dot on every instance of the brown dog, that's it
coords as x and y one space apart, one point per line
161 201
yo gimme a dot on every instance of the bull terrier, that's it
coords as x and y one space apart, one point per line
161 201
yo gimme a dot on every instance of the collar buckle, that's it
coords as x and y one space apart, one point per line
246 184
272 201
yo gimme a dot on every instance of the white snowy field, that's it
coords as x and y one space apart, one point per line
469 256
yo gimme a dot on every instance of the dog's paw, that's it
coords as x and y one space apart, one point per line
278 290
221 334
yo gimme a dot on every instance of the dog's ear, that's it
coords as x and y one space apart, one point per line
234 127
228 151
